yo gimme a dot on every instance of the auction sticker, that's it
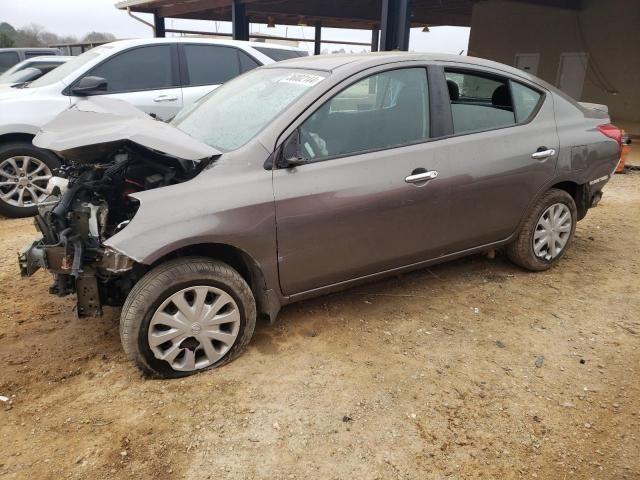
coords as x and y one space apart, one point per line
306 79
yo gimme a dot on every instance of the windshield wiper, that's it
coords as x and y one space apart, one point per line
21 85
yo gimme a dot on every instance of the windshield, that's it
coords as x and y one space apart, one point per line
231 115
22 76
16 68
65 69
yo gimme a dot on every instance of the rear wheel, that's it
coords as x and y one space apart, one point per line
546 232
25 171
185 316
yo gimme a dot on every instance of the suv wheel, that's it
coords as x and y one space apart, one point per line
185 316
546 232
25 171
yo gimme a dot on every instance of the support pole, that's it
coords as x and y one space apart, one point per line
395 25
375 39
158 25
240 21
317 45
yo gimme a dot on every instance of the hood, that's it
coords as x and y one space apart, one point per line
7 92
91 124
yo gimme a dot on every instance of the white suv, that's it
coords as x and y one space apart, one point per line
159 76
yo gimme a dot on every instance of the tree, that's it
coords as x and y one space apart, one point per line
99 37
68 39
7 35
48 38
30 36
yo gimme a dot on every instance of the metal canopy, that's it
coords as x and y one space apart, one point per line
357 14
393 18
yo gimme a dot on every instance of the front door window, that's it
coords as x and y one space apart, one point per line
383 111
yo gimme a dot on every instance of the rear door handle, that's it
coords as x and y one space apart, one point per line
421 176
165 98
543 153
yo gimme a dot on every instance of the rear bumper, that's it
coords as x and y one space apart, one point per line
595 199
589 195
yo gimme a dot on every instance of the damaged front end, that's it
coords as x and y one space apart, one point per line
89 199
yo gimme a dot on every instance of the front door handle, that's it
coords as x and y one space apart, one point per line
165 98
421 175
543 153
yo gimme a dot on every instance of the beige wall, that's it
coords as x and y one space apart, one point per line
610 35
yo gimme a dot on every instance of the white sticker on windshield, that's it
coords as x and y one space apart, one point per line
306 79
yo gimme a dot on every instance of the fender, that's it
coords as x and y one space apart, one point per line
19 129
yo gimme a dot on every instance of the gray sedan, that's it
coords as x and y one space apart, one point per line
303 178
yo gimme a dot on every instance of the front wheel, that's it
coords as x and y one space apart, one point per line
185 316
546 233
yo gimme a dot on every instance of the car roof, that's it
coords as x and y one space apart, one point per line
49 58
361 61
29 49
122 44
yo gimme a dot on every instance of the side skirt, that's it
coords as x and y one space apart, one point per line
335 287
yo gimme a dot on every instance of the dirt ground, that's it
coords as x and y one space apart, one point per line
472 369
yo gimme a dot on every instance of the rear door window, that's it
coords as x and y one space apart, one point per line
8 60
211 64
479 102
145 68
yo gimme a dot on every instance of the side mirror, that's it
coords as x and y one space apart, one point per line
90 86
290 155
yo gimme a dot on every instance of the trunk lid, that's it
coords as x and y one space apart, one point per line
595 110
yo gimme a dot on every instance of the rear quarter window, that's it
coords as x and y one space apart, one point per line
525 101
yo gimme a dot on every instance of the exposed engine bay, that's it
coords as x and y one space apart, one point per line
87 204
110 150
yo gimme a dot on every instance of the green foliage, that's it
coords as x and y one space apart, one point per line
7 28
7 35
34 35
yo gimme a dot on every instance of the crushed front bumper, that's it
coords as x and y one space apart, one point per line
31 259
84 283
35 256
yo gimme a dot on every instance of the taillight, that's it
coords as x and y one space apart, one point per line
611 131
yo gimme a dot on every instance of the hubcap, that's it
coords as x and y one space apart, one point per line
23 181
194 328
552 231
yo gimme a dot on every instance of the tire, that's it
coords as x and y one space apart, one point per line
38 157
151 302
522 251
